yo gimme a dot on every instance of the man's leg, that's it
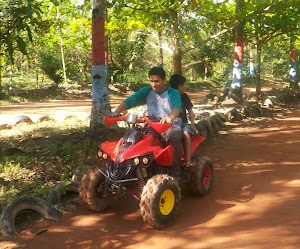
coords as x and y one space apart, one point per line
173 137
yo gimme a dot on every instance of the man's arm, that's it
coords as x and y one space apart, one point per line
192 119
137 98
120 108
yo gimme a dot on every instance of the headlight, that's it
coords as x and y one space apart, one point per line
104 156
99 153
143 160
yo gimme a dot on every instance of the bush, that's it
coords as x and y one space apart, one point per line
78 66
50 64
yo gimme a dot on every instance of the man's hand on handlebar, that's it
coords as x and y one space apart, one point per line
114 115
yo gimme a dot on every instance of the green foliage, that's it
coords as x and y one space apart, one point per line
275 58
134 44
18 20
50 63
78 66
221 70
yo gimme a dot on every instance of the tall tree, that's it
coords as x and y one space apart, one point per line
177 53
268 20
293 70
100 99
170 17
237 78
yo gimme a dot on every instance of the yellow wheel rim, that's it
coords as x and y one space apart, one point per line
166 202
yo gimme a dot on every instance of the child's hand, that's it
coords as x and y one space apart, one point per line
195 130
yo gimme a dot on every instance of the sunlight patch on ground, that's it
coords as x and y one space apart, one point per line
254 130
263 164
258 171
9 245
87 220
60 230
261 204
247 238
132 216
293 183
152 242
278 182
292 142
290 119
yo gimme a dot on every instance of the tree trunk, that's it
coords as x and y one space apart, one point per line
63 60
237 72
177 53
293 72
252 70
258 62
36 72
100 99
161 55
10 75
62 50
0 79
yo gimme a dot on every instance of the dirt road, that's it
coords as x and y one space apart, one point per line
59 109
254 203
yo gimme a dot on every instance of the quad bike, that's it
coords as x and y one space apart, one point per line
140 164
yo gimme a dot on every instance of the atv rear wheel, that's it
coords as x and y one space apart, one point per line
202 177
91 190
160 200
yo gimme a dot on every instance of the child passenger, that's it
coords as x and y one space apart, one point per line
178 82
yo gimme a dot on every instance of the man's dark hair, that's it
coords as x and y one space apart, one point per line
177 80
157 71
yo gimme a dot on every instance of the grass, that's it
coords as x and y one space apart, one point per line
35 157
24 88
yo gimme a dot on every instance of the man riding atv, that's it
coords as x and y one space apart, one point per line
146 162
163 103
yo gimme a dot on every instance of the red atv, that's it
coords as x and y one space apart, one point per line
140 164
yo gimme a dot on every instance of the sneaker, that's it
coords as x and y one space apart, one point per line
189 164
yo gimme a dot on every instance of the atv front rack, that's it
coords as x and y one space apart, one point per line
118 181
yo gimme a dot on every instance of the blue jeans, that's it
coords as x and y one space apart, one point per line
173 137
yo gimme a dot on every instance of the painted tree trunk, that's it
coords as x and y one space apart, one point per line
0 79
252 71
258 62
100 99
177 53
237 72
293 72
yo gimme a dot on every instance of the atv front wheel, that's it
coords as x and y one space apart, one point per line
202 177
91 190
160 200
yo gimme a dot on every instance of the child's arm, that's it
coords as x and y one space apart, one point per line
192 119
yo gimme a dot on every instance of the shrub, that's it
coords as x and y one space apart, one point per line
50 64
